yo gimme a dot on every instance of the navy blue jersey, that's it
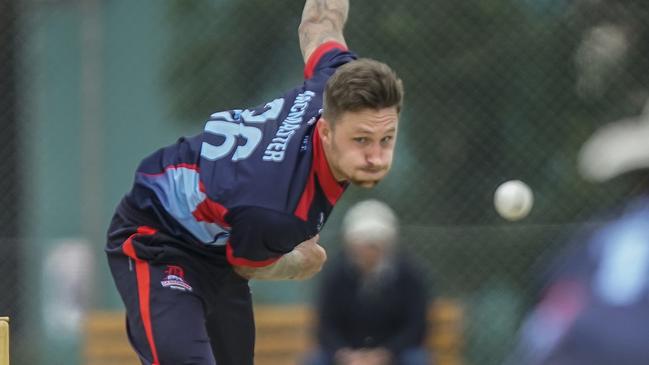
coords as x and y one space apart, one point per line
254 184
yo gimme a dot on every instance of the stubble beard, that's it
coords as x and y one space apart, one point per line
367 184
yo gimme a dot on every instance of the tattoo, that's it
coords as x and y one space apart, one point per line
287 267
322 20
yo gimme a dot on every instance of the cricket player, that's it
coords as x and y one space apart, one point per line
594 308
246 198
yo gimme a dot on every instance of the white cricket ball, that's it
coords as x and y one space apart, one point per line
513 200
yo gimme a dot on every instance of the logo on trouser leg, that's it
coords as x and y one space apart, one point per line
175 278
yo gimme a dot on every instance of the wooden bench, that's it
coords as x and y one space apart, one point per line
4 340
284 335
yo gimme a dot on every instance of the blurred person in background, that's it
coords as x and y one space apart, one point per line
594 309
246 198
373 301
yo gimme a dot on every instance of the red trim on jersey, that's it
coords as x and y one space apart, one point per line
143 279
128 248
302 210
240 261
188 166
331 187
320 168
210 211
147 231
314 58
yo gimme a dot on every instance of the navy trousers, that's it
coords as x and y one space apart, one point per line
181 307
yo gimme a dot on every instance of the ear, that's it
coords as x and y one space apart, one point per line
324 130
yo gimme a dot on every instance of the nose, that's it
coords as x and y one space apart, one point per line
374 154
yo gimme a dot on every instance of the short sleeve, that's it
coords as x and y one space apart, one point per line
326 59
260 236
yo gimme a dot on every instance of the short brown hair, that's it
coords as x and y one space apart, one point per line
362 84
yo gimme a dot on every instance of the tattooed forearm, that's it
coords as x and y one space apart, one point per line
295 265
288 267
303 262
322 21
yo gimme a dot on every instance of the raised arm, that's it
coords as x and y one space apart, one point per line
322 21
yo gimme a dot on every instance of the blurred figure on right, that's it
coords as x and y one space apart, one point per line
373 300
595 306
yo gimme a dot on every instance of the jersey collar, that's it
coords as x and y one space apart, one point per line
332 188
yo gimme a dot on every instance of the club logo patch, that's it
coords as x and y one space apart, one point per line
175 279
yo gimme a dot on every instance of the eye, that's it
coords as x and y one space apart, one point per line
361 140
387 139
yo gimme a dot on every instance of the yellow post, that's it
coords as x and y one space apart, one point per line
4 340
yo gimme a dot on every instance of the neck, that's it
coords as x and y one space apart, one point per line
327 154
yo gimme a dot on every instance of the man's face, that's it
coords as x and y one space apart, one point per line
367 255
359 148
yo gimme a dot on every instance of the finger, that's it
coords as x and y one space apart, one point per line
314 239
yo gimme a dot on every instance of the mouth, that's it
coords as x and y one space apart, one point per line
372 170
369 177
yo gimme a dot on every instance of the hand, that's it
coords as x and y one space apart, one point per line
244 271
347 356
377 356
313 255
366 356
